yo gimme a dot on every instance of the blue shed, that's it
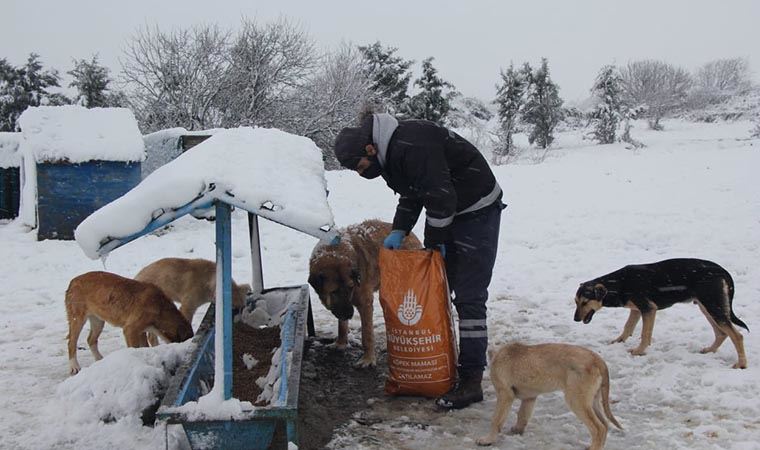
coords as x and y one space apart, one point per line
75 160
10 161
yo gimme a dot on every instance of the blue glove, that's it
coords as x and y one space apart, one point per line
394 239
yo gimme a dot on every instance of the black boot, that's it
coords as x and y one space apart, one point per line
464 393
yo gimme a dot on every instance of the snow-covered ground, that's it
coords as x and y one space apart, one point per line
585 211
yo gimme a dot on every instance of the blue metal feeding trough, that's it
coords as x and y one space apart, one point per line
209 370
294 195
196 376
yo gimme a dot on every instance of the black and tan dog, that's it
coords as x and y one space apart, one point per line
347 274
646 288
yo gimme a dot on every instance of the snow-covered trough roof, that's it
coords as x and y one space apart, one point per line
76 134
9 154
268 172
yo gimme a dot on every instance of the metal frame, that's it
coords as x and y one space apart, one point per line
223 340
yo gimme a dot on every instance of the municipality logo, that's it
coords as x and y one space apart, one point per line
409 312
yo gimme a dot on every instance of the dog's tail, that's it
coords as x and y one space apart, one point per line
738 321
605 388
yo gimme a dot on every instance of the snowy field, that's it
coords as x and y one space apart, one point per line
585 211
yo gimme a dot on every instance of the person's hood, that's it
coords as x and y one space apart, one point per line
383 126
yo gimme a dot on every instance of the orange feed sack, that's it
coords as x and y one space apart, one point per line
414 295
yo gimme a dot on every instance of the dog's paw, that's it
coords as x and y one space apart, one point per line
338 345
740 365
365 362
517 431
637 351
618 340
707 350
486 440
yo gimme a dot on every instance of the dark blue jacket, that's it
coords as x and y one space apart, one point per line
431 166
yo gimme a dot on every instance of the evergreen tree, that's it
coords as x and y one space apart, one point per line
390 74
431 103
91 81
509 99
543 107
607 114
9 92
23 87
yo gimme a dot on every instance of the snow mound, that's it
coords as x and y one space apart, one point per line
120 385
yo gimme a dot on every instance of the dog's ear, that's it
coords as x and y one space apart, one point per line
356 276
600 291
316 280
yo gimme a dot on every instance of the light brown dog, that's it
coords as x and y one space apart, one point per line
525 371
189 282
134 306
346 275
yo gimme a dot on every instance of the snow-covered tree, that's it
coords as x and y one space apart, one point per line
629 114
9 92
466 111
469 116
268 63
510 98
658 86
719 80
724 75
608 112
330 100
389 73
25 86
175 78
433 101
543 106
92 83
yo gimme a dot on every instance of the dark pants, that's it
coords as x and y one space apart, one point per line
470 257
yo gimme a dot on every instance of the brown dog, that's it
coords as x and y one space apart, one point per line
346 275
134 306
525 371
189 282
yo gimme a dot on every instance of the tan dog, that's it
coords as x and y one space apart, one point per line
346 275
134 306
525 371
189 282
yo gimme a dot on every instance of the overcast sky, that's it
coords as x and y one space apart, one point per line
470 40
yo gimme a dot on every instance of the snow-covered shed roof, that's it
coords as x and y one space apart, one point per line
271 173
164 145
9 154
76 134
